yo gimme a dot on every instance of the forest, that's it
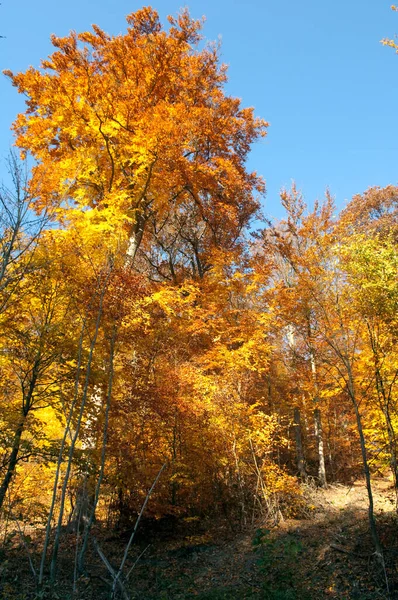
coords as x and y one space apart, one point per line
171 360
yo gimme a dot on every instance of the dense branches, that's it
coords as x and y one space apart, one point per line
144 340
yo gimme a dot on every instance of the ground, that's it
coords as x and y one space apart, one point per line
327 554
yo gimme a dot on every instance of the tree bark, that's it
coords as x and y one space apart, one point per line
90 521
321 454
27 402
12 461
136 234
299 445
317 414
53 564
372 520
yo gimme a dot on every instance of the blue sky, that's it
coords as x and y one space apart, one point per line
315 70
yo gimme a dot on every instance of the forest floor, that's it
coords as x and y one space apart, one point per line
328 554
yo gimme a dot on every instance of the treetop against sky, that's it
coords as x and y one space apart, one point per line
316 72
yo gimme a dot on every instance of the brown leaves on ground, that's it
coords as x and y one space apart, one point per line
327 555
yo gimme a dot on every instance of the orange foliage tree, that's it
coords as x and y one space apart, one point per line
148 332
141 157
137 128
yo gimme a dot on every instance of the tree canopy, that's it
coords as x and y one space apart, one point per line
146 338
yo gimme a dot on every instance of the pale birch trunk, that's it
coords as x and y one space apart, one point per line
53 565
91 518
321 455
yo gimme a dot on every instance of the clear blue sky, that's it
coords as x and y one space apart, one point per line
315 70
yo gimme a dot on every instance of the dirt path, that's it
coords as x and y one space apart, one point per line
329 555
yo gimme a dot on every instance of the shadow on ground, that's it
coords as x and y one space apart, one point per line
331 557
328 555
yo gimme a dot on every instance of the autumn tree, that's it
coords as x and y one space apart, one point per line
138 129
148 151
374 212
20 229
370 260
195 381
140 155
34 347
294 249
323 315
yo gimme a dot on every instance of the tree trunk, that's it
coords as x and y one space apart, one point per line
372 520
384 397
393 451
13 460
27 401
317 415
136 234
90 521
53 564
299 445
67 431
321 455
